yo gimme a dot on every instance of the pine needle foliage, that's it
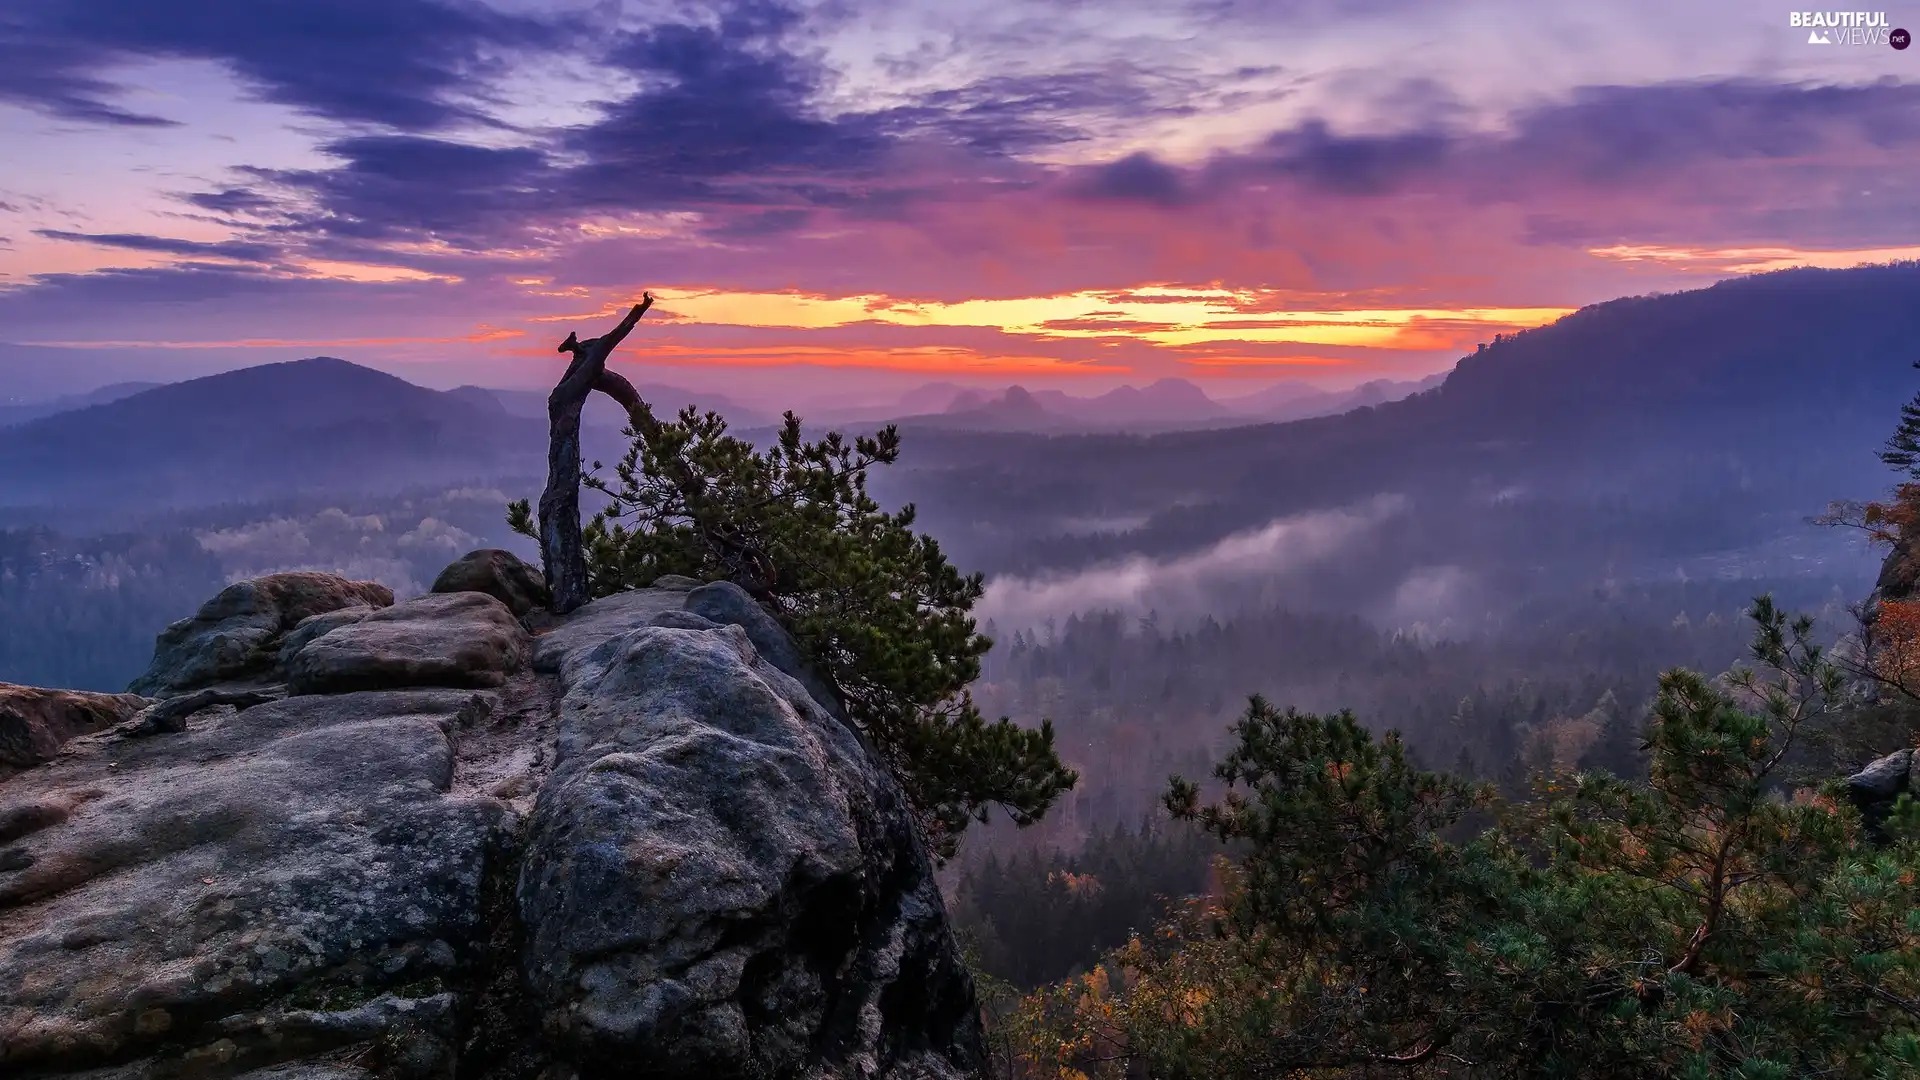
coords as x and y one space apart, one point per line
876 606
1710 922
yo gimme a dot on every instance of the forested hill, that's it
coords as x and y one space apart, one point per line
263 431
1801 339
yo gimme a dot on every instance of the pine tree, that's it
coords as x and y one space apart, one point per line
877 606
1902 448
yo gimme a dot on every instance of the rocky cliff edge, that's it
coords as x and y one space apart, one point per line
334 837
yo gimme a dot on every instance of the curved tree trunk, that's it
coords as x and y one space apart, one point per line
561 554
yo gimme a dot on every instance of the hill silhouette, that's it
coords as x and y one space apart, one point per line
1163 405
304 425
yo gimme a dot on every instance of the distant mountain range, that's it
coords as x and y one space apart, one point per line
1166 404
666 401
1295 400
1712 418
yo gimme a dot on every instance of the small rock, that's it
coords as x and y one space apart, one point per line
499 574
1875 789
35 723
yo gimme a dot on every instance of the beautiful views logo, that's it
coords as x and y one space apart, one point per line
1843 27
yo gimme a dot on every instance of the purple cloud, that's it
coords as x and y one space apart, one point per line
407 64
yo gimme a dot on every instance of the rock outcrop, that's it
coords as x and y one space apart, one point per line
719 880
430 846
235 637
241 885
440 639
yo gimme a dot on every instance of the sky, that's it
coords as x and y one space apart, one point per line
841 199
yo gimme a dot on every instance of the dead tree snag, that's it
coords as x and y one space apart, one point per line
561 553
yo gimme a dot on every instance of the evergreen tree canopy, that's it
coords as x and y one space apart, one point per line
876 606
1706 923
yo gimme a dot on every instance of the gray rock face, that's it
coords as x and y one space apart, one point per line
699 607
657 855
725 602
441 639
1877 787
235 637
599 620
1884 779
248 884
35 723
720 881
499 574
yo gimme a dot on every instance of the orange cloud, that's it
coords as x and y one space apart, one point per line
1754 260
926 359
1161 315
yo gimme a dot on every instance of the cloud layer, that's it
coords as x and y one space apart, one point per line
832 188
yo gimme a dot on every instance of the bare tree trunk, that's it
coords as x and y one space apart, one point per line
561 554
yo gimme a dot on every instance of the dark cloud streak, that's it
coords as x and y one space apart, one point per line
406 64
1138 176
1599 137
233 249
54 77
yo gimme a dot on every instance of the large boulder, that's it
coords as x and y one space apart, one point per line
314 626
441 639
655 855
720 879
235 637
35 722
499 574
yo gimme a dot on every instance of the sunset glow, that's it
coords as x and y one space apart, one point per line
825 194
